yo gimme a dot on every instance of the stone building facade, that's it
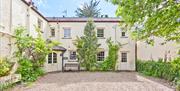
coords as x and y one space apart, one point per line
14 13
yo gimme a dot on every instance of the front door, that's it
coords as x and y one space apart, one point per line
54 62
124 61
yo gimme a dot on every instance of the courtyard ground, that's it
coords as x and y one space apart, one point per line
95 81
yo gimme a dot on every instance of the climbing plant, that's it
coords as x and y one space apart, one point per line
109 64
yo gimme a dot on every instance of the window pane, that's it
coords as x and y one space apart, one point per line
52 32
54 58
124 57
39 24
100 32
100 56
73 55
123 34
50 58
67 33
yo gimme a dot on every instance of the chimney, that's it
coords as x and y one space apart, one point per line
106 16
29 1
102 16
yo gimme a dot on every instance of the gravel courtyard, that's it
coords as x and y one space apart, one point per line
95 81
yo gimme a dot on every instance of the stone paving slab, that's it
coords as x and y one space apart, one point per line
87 81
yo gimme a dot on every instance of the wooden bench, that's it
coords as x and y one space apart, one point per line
71 67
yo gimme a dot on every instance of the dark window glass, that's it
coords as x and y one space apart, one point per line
123 34
100 56
72 55
124 57
50 58
39 24
52 32
54 58
100 32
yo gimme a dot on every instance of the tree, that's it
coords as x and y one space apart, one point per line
87 46
31 54
151 18
89 10
35 49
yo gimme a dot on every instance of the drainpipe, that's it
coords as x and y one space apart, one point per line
10 23
10 26
63 61
136 55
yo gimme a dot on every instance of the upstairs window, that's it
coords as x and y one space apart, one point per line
100 33
40 24
73 55
100 56
123 57
52 58
67 33
53 33
123 34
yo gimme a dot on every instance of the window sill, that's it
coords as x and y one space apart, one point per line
101 37
100 61
124 37
66 38
52 36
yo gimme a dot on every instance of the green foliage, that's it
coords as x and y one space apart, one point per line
5 67
34 48
178 85
4 87
166 70
88 10
31 53
87 47
158 18
28 72
111 60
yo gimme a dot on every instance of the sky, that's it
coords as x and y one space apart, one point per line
55 8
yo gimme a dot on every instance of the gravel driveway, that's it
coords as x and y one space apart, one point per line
95 81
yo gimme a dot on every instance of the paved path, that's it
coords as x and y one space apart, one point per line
87 81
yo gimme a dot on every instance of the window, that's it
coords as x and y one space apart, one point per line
52 58
123 34
100 56
100 32
53 32
39 24
72 55
123 57
67 33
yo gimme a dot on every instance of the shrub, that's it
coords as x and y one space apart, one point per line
166 70
31 53
28 71
5 67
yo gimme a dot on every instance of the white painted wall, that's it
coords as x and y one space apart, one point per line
158 51
109 32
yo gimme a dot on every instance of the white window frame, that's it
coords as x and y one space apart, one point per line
40 24
124 34
53 58
71 53
124 57
101 56
67 33
53 32
100 34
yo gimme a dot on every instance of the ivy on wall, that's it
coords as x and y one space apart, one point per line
109 64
